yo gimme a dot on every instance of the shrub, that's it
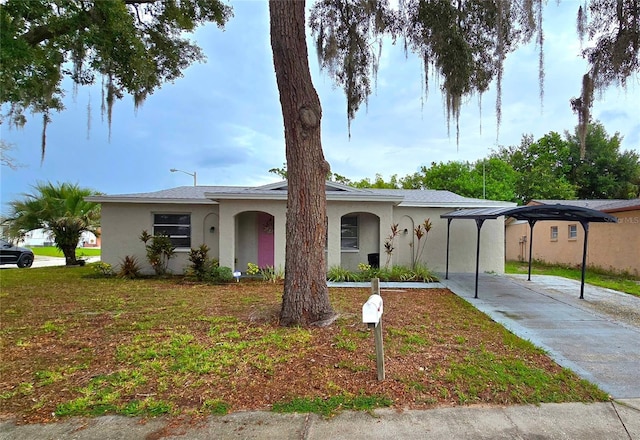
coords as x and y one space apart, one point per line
252 269
269 273
395 273
159 251
221 274
200 262
103 269
129 268
340 274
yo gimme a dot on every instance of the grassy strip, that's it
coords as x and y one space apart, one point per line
52 251
620 282
332 405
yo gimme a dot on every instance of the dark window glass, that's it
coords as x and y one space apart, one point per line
175 226
349 232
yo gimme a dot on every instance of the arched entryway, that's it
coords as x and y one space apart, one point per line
255 239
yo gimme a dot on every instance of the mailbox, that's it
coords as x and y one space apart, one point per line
372 310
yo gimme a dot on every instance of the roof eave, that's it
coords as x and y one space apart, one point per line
149 200
342 197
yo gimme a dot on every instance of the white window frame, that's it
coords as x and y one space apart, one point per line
573 231
554 233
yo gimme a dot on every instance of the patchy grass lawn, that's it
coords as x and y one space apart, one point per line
620 282
73 344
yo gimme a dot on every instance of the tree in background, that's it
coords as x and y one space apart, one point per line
491 179
605 172
379 182
58 209
542 168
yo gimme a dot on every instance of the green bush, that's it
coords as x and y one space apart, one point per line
340 274
200 263
221 274
103 269
394 273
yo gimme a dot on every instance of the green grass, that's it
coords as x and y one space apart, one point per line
597 277
52 251
332 405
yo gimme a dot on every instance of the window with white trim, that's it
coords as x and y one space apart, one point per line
349 233
554 233
573 232
175 226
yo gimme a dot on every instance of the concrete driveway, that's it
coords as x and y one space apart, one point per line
597 337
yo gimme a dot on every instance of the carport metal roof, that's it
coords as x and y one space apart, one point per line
531 214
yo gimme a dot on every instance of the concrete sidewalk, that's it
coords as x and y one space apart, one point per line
610 421
577 333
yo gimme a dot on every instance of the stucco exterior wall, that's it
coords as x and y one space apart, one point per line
233 239
463 239
611 246
122 224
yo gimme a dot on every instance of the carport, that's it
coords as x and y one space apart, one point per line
532 214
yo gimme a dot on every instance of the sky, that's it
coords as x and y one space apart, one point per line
223 120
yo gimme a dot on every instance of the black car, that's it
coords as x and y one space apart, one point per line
10 254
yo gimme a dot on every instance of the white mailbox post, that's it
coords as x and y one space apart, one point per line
372 316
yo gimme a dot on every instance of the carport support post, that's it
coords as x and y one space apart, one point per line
479 222
532 223
446 275
585 226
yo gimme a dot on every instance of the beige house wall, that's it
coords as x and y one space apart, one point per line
232 242
463 239
122 224
611 246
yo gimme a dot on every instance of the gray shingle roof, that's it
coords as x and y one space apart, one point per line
278 191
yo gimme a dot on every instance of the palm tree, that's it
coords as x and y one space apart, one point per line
58 209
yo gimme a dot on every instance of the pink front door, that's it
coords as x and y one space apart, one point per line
265 239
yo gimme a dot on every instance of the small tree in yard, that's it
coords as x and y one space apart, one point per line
58 209
159 251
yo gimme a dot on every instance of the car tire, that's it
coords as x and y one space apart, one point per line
25 261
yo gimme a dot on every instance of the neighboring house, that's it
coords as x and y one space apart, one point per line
612 246
247 224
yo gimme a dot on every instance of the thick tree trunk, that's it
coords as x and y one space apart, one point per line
306 297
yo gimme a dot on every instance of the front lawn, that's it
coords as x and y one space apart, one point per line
75 344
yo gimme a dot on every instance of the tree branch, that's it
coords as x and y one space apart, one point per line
39 34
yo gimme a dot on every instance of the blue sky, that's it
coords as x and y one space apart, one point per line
223 118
